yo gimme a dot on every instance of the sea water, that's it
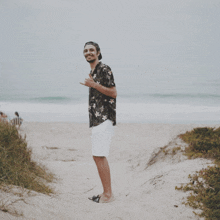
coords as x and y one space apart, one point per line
139 99
163 57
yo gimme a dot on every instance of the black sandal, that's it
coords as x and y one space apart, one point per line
95 198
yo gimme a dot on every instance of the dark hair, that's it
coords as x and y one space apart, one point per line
16 113
96 46
1 113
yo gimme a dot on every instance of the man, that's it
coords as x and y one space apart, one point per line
102 115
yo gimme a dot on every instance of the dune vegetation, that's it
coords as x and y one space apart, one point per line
16 165
205 184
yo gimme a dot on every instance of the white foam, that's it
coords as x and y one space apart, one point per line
46 112
167 113
126 112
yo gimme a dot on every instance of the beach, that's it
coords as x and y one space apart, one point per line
143 177
164 58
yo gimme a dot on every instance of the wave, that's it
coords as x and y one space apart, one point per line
181 95
172 96
43 99
52 99
138 97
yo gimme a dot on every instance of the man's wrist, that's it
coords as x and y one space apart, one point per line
95 85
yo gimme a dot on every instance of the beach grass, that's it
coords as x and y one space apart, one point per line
16 166
205 184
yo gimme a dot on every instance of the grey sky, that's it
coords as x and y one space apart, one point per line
135 30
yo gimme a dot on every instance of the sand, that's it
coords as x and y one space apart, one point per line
143 178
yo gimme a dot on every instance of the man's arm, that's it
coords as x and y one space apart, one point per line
112 92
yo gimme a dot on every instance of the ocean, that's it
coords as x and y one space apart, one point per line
163 55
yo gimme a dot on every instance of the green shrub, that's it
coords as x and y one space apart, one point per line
205 184
16 166
203 142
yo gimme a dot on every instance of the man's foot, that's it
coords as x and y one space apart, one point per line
106 198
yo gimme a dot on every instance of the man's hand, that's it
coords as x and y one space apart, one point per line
89 82
112 92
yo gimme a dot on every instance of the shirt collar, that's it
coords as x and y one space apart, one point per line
98 64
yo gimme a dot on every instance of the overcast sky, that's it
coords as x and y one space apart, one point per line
136 30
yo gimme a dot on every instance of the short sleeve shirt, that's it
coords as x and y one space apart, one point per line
17 121
101 107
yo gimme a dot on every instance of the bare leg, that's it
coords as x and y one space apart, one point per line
104 174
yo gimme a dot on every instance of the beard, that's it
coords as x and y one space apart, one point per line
90 61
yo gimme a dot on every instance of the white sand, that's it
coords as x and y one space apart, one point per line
141 191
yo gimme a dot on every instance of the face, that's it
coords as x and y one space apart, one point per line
90 53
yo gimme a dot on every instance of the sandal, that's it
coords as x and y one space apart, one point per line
95 198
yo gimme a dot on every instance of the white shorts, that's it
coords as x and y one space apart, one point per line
101 138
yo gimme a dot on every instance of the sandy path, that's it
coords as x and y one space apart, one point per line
141 192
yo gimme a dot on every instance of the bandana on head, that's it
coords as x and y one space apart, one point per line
96 46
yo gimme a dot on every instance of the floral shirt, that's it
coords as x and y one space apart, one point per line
101 107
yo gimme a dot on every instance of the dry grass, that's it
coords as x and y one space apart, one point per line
16 165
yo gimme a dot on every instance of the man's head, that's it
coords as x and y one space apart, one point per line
92 52
16 113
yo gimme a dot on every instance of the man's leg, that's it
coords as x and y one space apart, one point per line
104 173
